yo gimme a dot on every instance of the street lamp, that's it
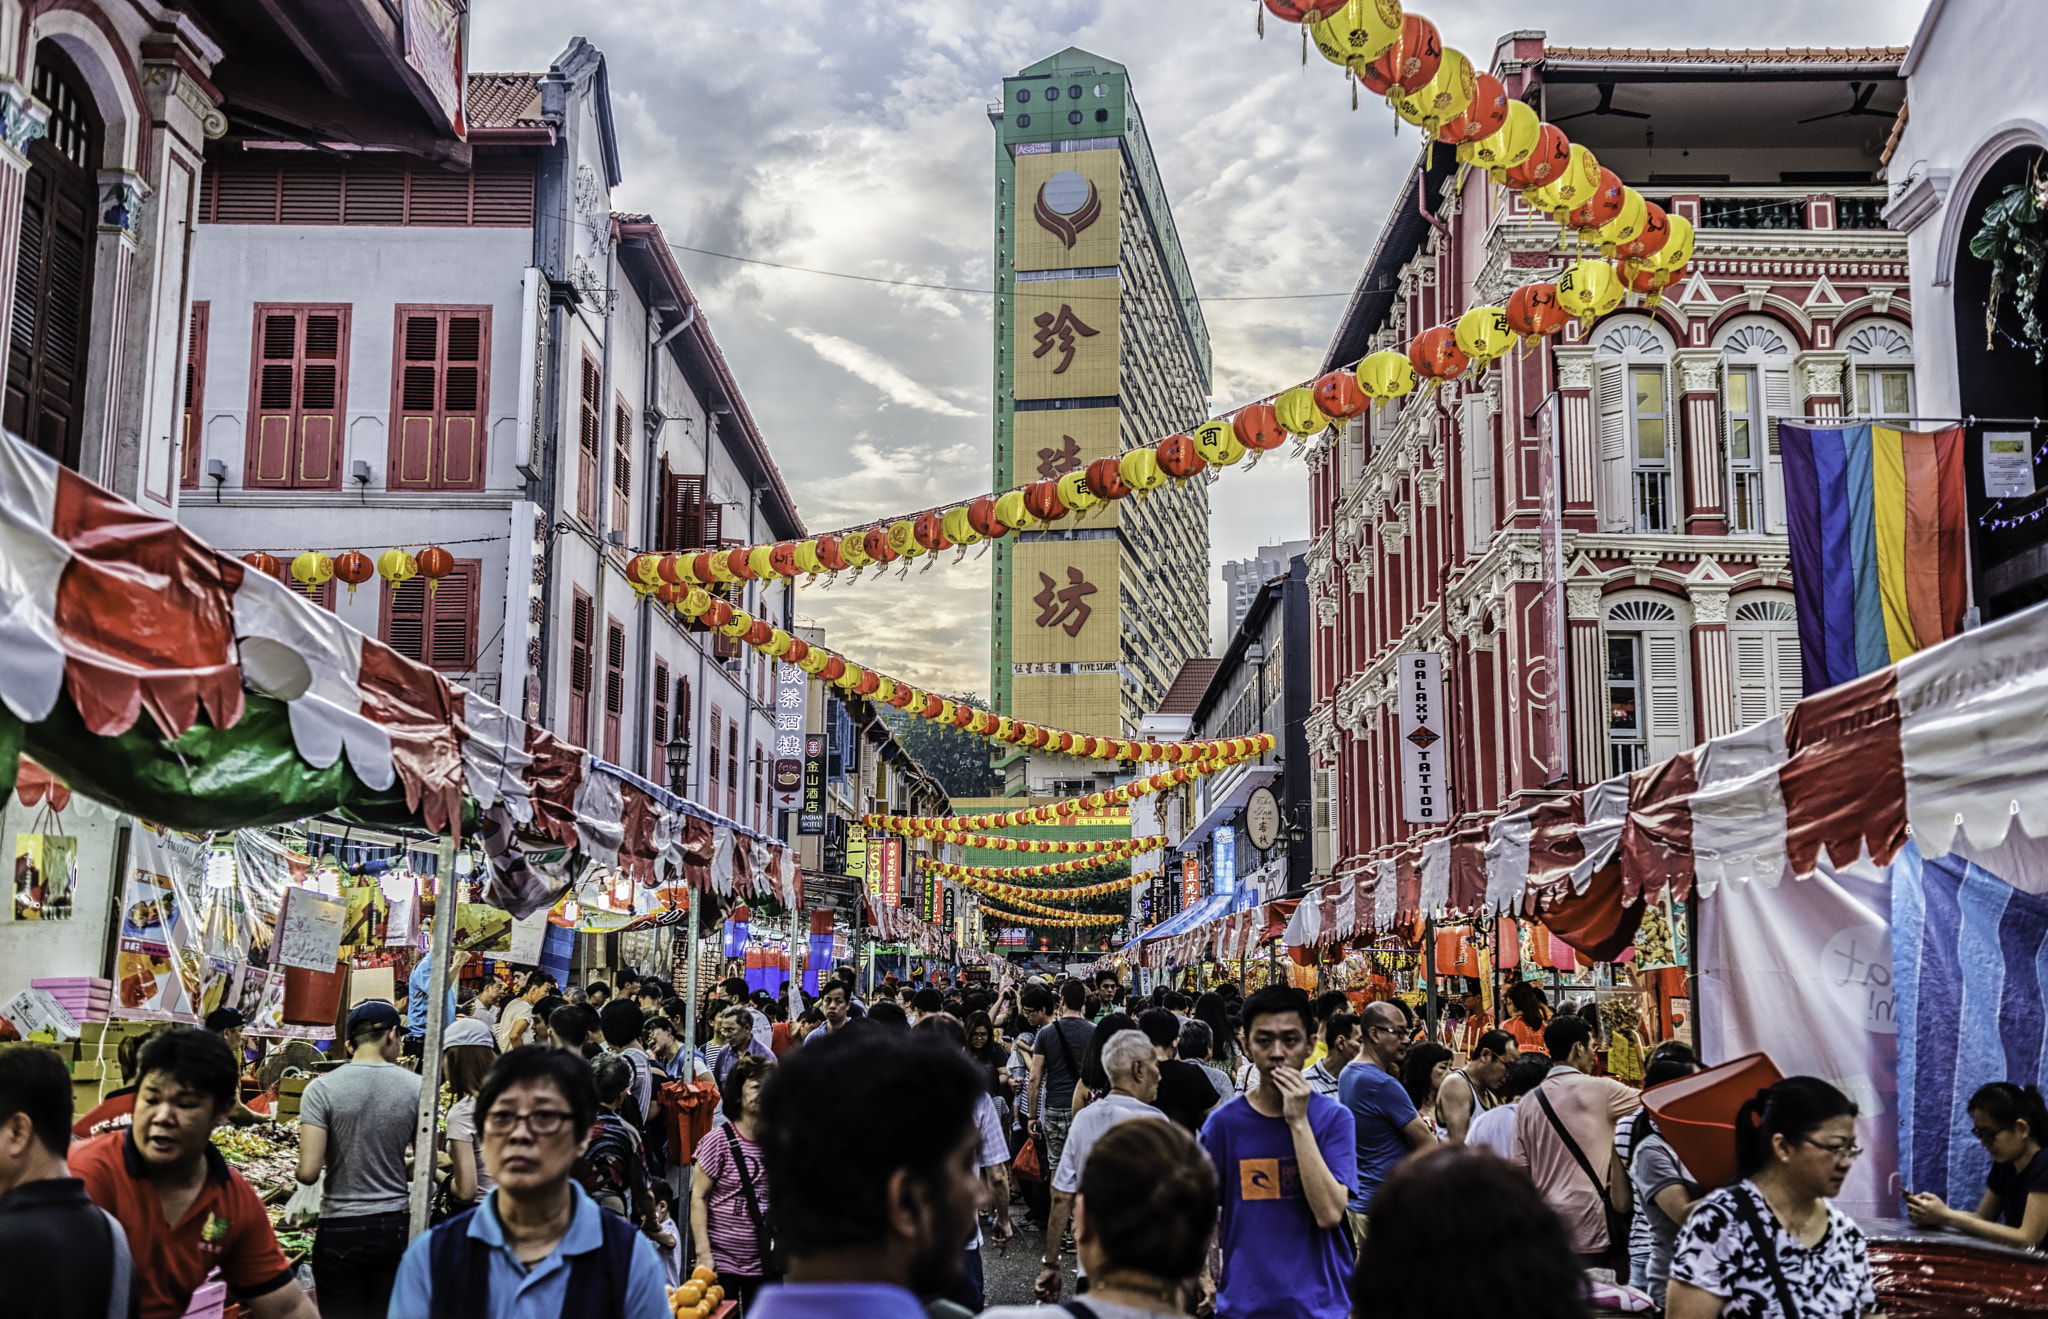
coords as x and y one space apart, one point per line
678 755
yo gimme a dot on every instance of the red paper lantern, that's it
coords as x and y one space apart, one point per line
435 563
900 695
1532 311
1410 62
1338 395
1105 479
736 563
1258 427
828 552
834 670
933 705
670 595
761 633
1553 151
930 533
1603 205
718 614
963 715
1287 11
981 515
1656 233
1178 457
1483 117
869 682
798 650
266 564
701 567
1042 498
1435 354
354 568
876 543
783 558
669 569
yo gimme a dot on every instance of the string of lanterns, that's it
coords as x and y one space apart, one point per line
312 569
1054 919
1021 894
922 827
1076 866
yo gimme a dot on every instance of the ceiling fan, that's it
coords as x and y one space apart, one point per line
1606 106
1861 94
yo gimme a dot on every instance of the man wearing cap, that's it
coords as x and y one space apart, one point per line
355 1122
227 1023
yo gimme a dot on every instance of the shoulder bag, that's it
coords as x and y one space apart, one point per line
764 1235
1617 1223
1767 1246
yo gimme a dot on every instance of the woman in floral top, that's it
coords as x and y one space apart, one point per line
1771 1246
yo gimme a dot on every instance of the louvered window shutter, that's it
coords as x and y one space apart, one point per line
712 533
582 637
1777 382
664 508
277 356
300 388
405 619
195 398
1755 682
622 467
462 399
587 437
419 389
319 422
1664 668
716 775
438 431
661 737
1479 503
1790 677
451 639
614 686
1610 401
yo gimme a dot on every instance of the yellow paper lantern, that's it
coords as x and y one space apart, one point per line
1074 492
778 643
1385 375
1297 412
1677 249
1359 32
1509 145
1573 185
807 557
1010 511
1444 97
853 549
947 711
738 625
957 528
694 602
1217 441
1140 469
1483 334
396 566
760 562
1589 288
1627 226
903 538
814 661
312 568
851 678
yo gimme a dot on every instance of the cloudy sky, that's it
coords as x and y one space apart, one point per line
852 136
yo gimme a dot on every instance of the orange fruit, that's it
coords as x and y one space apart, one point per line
713 1295
704 1273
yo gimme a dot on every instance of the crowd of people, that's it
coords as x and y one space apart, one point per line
1246 1155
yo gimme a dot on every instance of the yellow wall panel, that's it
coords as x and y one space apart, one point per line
1067 601
1066 341
1057 442
1090 703
1067 209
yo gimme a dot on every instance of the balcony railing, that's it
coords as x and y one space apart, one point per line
1752 213
1745 503
1625 757
1653 501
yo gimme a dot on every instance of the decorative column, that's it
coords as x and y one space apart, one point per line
1699 381
1820 383
1589 683
1575 389
1713 687
22 121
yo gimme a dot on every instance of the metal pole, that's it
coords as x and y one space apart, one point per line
690 993
447 896
1429 1005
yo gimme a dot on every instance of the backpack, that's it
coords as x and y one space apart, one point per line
459 1266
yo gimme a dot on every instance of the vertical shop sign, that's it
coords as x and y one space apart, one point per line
1550 535
1190 881
892 871
811 815
1226 860
1424 772
792 688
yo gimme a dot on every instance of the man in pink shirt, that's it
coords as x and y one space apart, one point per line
1586 1107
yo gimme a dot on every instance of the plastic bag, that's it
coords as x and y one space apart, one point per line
304 1206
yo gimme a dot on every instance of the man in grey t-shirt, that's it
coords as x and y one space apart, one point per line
355 1124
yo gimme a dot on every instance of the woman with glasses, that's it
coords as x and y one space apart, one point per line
2011 1122
538 1232
1771 1246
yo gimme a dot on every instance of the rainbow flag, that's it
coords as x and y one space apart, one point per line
1876 518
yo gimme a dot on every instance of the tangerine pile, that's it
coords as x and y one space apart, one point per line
699 1297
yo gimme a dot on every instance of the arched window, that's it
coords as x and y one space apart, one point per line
1763 641
1756 390
1638 440
1648 707
1881 360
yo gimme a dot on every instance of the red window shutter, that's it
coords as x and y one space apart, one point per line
732 766
716 775
439 390
245 194
298 390
405 619
686 511
680 711
614 686
622 465
374 193
451 618
714 525
195 398
436 197
502 191
661 737
582 638
310 193
322 595
587 438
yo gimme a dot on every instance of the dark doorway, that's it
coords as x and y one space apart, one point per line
46 352
1998 377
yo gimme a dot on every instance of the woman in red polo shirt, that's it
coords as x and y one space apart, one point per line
185 1210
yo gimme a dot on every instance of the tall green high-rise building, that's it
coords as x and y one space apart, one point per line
1099 347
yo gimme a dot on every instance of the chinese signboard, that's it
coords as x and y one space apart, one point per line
1425 769
1226 859
811 815
792 687
1190 882
892 872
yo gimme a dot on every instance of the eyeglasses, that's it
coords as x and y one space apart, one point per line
1391 1030
1986 1136
541 1121
1842 1153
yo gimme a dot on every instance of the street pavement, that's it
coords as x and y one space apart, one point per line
1007 1277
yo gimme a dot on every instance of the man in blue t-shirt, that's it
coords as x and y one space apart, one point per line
1384 1117
1283 1154
416 999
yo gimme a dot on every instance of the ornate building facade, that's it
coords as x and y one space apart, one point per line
1591 531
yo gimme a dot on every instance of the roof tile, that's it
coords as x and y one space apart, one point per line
504 100
1188 686
1784 55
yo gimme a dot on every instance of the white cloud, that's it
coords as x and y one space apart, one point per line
865 364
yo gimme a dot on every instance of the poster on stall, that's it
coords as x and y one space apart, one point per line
368 916
309 930
482 928
159 970
217 985
38 1009
45 876
523 949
